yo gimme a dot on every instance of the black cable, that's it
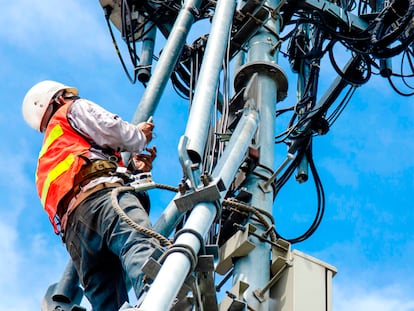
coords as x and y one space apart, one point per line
179 87
352 80
341 107
407 55
385 33
107 11
381 35
397 90
320 203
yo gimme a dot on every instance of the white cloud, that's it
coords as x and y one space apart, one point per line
342 170
10 259
19 182
375 130
357 297
30 260
27 269
66 28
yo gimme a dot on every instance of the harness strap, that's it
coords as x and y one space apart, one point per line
92 170
89 171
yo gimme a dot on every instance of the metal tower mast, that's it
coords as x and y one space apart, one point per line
221 216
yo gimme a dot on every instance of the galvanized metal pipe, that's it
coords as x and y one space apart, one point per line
166 62
68 284
147 52
259 257
169 218
236 149
261 48
199 119
177 265
205 93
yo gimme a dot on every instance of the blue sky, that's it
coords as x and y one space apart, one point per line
365 163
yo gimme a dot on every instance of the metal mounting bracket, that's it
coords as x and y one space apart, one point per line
237 246
280 255
280 260
205 280
209 193
234 299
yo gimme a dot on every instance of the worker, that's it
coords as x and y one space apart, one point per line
79 165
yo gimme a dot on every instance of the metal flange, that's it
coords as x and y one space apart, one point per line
246 71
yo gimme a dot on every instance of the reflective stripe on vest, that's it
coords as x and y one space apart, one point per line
58 170
55 133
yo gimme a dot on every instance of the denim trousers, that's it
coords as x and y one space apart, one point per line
108 253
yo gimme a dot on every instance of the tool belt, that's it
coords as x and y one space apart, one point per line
91 170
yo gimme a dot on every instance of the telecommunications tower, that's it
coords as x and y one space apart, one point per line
220 220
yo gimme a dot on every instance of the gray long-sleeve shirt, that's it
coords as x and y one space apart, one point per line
105 129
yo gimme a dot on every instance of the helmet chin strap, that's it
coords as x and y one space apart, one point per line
54 105
46 117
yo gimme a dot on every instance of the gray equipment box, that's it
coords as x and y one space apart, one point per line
306 285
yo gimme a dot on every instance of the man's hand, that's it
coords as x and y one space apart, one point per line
143 161
146 128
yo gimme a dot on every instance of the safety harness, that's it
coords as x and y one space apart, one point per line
92 170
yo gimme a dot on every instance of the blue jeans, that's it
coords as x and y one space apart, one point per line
106 251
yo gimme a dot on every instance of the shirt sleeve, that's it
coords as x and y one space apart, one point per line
105 129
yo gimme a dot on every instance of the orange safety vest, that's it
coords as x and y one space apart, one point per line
59 162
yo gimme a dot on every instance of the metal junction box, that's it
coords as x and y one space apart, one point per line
306 285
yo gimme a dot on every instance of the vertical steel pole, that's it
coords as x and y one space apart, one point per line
205 93
166 64
254 269
200 114
167 61
66 294
147 51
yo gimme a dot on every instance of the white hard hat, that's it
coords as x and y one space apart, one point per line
38 98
